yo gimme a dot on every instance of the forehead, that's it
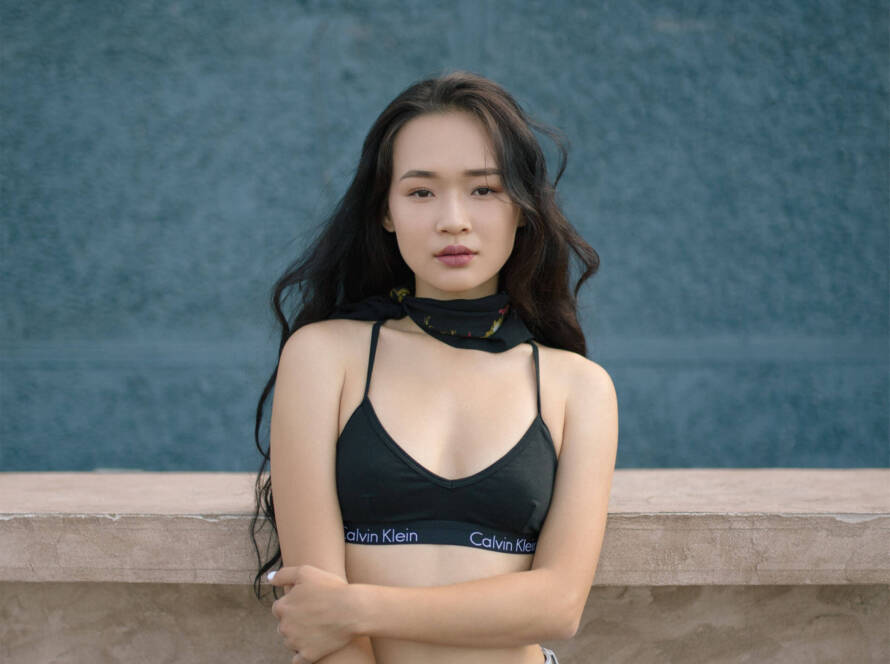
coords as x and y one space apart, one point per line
443 141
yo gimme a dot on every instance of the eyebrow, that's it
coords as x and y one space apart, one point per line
472 172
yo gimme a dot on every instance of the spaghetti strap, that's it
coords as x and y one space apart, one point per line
537 375
375 331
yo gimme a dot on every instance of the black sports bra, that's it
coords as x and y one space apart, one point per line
386 497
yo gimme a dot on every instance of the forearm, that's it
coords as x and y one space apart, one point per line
500 611
357 651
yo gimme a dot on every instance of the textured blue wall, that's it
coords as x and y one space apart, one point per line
163 161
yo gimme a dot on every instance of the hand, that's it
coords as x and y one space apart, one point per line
315 614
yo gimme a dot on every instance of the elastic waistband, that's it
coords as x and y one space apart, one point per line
438 532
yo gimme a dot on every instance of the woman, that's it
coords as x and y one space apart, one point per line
437 313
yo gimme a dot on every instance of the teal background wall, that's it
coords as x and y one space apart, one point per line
163 161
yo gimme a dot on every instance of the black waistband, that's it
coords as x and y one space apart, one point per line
438 532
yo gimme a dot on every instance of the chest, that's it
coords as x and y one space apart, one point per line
451 411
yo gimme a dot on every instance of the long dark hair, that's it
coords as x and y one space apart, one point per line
354 257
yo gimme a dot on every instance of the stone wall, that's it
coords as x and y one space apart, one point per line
163 162
713 566
99 623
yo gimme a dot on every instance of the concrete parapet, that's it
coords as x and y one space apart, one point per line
716 565
665 527
99 623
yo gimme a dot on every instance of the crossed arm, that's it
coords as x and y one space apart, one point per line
330 620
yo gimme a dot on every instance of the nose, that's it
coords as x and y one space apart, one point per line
454 216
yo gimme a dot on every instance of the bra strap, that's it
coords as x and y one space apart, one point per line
375 331
537 375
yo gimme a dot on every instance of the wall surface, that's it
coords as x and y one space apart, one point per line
164 161
729 526
106 623
725 566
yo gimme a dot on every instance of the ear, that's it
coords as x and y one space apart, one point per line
387 224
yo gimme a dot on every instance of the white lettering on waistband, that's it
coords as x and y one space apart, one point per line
407 536
382 536
359 537
495 543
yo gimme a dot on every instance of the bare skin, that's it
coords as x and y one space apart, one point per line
472 412
354 604
455 412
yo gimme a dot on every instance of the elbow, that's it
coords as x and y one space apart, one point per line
568 617
569 627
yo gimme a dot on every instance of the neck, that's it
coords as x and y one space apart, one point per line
423 289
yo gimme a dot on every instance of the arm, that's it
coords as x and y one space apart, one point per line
302 454
547 601
543 603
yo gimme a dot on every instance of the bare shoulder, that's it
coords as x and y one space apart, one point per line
576 372
591 376
592 408
330 342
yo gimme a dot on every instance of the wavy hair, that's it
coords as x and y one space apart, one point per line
353 256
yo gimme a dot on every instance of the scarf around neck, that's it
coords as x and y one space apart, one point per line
486 323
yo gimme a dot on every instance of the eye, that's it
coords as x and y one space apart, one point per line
487 190
420 191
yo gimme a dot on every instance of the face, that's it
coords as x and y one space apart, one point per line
446 190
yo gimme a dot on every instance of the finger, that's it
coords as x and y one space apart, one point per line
283 576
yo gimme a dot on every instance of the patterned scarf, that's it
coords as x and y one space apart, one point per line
486 323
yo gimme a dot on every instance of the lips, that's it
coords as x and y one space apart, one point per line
455 260
454 250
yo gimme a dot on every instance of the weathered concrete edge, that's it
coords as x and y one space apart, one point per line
639 549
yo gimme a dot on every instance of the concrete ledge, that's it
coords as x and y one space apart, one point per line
110 623
666 527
